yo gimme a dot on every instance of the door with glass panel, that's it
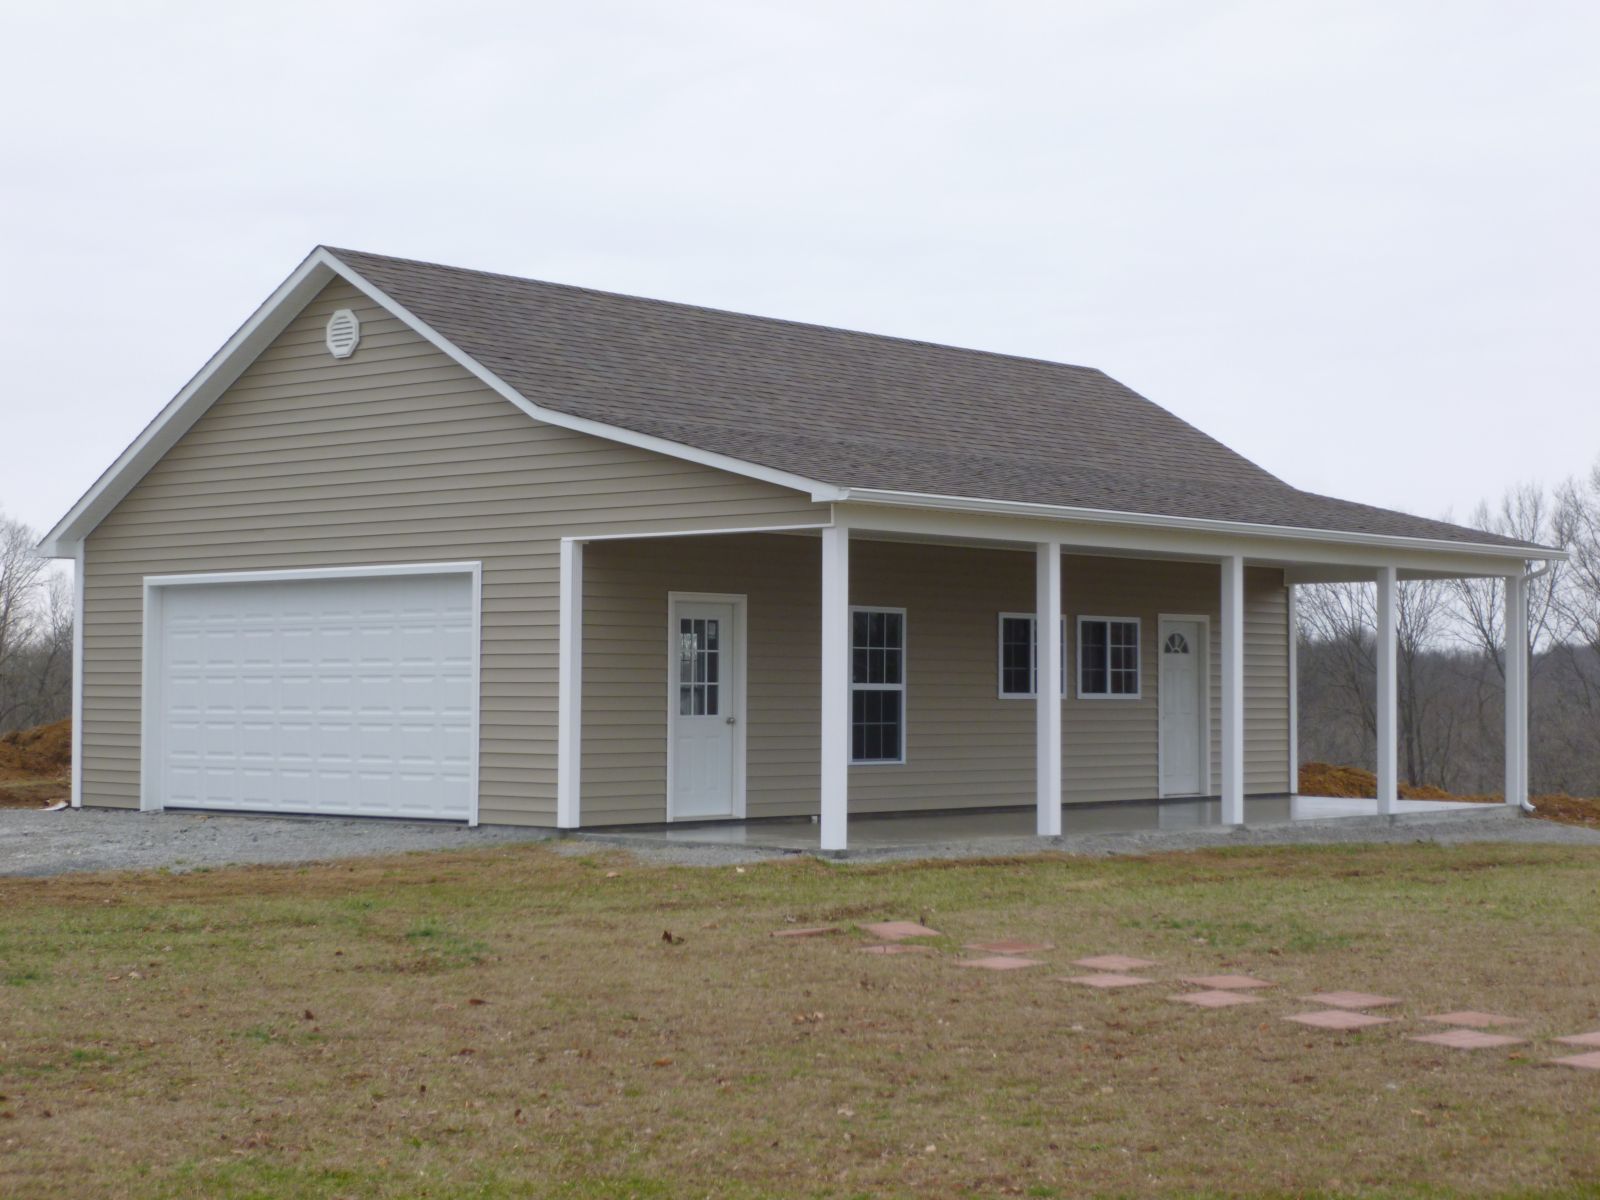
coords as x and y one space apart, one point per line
1182 684
705 742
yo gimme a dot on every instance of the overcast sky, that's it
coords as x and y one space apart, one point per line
1354 240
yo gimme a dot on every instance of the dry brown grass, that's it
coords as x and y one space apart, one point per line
512 1022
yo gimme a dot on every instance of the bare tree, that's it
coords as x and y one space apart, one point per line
1527 514
21 572
1421 609
1578 518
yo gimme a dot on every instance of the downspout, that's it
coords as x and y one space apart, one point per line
1528 577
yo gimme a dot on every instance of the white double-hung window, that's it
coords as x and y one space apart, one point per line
877 685
1019 656
1108 657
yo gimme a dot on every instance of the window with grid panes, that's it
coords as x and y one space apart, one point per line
877 685
1108 657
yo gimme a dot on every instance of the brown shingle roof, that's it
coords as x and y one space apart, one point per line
860 410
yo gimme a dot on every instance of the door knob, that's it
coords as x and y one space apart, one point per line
733 720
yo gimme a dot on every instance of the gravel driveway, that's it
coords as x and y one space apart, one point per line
41 843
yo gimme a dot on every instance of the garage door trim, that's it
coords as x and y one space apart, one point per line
151 753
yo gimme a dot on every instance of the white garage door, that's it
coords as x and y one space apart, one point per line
355 696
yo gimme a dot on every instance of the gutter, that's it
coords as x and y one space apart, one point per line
1104 516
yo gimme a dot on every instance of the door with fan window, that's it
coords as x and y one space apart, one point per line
1182 687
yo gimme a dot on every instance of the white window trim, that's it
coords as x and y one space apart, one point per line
1138 692
901 687
1033 635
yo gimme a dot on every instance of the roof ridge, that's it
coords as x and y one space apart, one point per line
715 311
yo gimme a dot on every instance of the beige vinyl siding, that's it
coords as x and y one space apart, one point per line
965 747
394 455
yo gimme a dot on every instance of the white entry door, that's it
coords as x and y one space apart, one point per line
1183 706
705 764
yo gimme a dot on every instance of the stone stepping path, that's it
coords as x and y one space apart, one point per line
1110 972
1475 1020
1466 1039
999 962
1227 983
895 948
1581 1039
1107 979
1217 998
1113 962
1351 1000
814 931
1338 1018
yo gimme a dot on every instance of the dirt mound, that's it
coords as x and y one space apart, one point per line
1569 810
45 750
1323 779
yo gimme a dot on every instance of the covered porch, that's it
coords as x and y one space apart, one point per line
861 676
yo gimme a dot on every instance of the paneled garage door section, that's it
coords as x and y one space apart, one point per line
350 696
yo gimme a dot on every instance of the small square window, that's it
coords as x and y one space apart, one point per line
1108 657
1019 656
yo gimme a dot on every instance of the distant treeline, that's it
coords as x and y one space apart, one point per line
1452 660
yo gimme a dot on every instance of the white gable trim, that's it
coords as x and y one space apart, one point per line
318 270
184 409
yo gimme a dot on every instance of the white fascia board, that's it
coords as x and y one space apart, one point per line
1238 529
269 320
184 409
820 492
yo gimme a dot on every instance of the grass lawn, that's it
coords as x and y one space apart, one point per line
512 1023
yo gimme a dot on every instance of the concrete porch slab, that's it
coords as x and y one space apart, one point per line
1138 830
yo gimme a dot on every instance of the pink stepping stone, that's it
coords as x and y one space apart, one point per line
1338 1018
899 931
1107 979
1113 962
814 931
1475 1020
998 962
1010 946
1466 1039
1226 983
1581 1039
1584 1062
1351 1000
1216 999
895 948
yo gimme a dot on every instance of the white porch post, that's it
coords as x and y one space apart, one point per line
569 685
1047 685
1294 693
1388 709
1516 690
1233 690
77 678
835 797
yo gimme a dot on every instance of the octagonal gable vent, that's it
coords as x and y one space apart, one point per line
344 333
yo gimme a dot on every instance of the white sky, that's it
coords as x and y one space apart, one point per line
1354 240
